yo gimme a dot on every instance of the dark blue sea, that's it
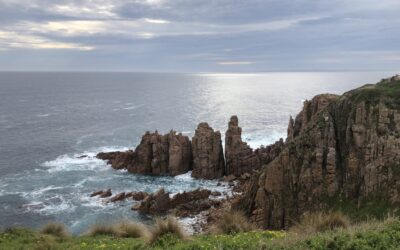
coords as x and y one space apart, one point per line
48 120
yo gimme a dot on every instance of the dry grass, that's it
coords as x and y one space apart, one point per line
55 229
103 230
128 229
167 226
232 222
321 222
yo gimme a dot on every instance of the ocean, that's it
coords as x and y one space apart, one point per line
48 120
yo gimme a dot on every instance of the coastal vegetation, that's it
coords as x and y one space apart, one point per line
315 231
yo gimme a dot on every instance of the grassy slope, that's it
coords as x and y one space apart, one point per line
383 235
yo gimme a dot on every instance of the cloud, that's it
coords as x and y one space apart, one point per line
235 63
10 40
205 35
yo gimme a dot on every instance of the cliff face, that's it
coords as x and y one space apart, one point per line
338 146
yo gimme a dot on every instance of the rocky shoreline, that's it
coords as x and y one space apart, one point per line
338 147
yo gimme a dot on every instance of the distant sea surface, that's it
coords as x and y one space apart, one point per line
48 120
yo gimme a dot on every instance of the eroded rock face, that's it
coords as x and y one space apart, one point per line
344 147
208 157
240 158
169 154
160 202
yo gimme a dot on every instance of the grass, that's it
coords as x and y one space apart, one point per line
166 228
371 208
55 229
232 222
321 222
375 93
130 229
373 234
123 229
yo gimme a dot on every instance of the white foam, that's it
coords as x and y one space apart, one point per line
185 177
73 163
83 161
39 192
64 206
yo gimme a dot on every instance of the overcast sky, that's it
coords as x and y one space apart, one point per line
200 35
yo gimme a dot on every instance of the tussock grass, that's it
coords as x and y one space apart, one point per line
101 230
232 222
128 229
55 229
163 227
320 222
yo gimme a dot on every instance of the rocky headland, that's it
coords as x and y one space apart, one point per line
338 148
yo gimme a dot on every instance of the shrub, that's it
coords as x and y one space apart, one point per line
232 222
321 222
55 229
169 226
130 229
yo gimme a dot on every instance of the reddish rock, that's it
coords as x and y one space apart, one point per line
118 197
157 203
216 193
229 178
137 196
160 202
346 147
169 154
208 156
240 158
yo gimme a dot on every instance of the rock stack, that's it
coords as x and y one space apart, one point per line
169 154
240 158
208 156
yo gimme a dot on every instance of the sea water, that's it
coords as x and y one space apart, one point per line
49 120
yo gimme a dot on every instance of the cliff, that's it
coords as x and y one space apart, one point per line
338 147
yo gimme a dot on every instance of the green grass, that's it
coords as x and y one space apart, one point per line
368 235
383 91
372 208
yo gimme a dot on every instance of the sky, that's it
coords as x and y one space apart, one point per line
200 35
